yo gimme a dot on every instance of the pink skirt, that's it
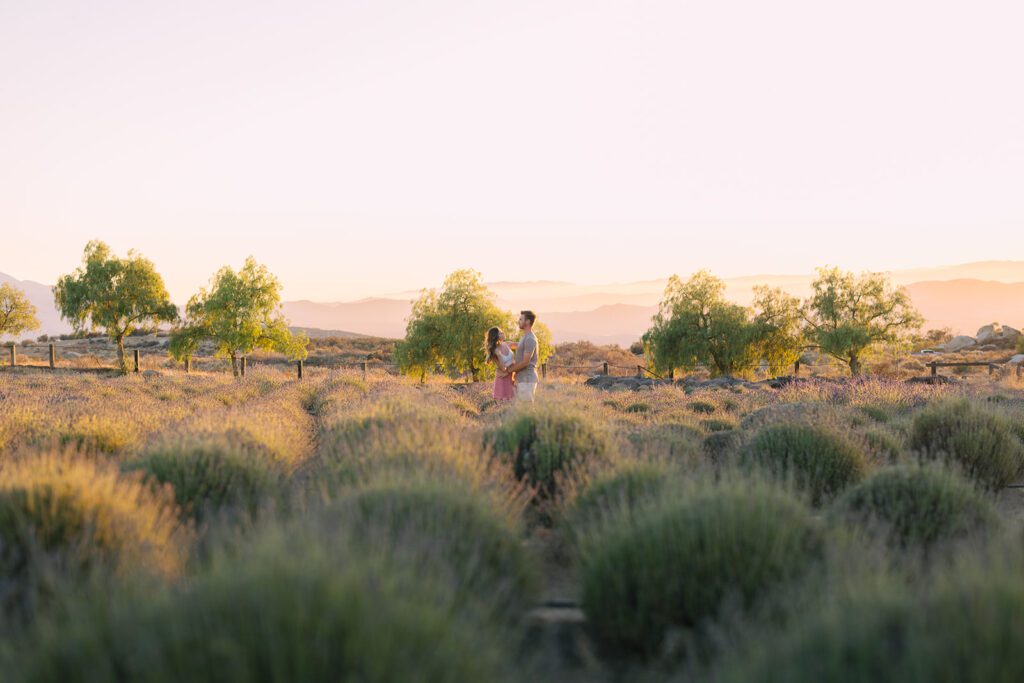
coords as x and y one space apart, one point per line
503 388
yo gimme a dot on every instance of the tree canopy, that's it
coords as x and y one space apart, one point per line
116 294
446 329
239 312
17 314
696 325
847 314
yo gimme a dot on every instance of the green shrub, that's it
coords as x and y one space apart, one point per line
443 529
79 515
918 506
273 617
672 440
678 562
701 407
394 439
718 445
637 408
546 443
98 433
882 446
876 413
615 493
213 473
390 415
820 461
964 630
717 425
979 441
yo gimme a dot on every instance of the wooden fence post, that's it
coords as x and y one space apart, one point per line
53 356
136 355
606 367
364 370
300 367
935 368
14 356
796 368
543 370
245 361
188 364
639 372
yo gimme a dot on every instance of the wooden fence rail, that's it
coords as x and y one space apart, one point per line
992 367
604 368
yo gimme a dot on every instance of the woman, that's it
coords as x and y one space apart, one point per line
500 353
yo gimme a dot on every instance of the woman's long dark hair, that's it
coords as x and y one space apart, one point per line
493 336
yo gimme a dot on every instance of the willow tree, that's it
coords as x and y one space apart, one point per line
848 314
446 328
696 325
116 294
239 312
17 314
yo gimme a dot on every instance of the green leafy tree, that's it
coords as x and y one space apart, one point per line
545 347
848 314
696 325
446 328
17 314
777 327
240 312
116 294
419 353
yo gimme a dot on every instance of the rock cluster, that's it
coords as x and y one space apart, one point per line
989 337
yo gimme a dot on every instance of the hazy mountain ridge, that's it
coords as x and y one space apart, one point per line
620 313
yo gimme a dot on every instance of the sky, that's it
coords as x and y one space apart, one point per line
365 148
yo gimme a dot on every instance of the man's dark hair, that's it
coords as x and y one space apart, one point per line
529 316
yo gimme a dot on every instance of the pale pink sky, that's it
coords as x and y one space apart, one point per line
370 147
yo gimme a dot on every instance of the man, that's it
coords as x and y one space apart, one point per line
525 364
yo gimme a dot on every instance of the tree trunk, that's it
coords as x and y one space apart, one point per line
234 363
121 361
855 367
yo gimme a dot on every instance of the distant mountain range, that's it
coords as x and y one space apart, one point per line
962 297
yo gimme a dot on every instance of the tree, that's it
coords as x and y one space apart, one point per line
240 312
116 294
696 325
848 314
447 328
545 347
17 314
419 352
777 332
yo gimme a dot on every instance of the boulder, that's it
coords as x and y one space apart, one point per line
1016 360
996 334
958 343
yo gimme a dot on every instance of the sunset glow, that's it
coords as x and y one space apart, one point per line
366 149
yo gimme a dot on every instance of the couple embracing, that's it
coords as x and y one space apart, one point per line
516 362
